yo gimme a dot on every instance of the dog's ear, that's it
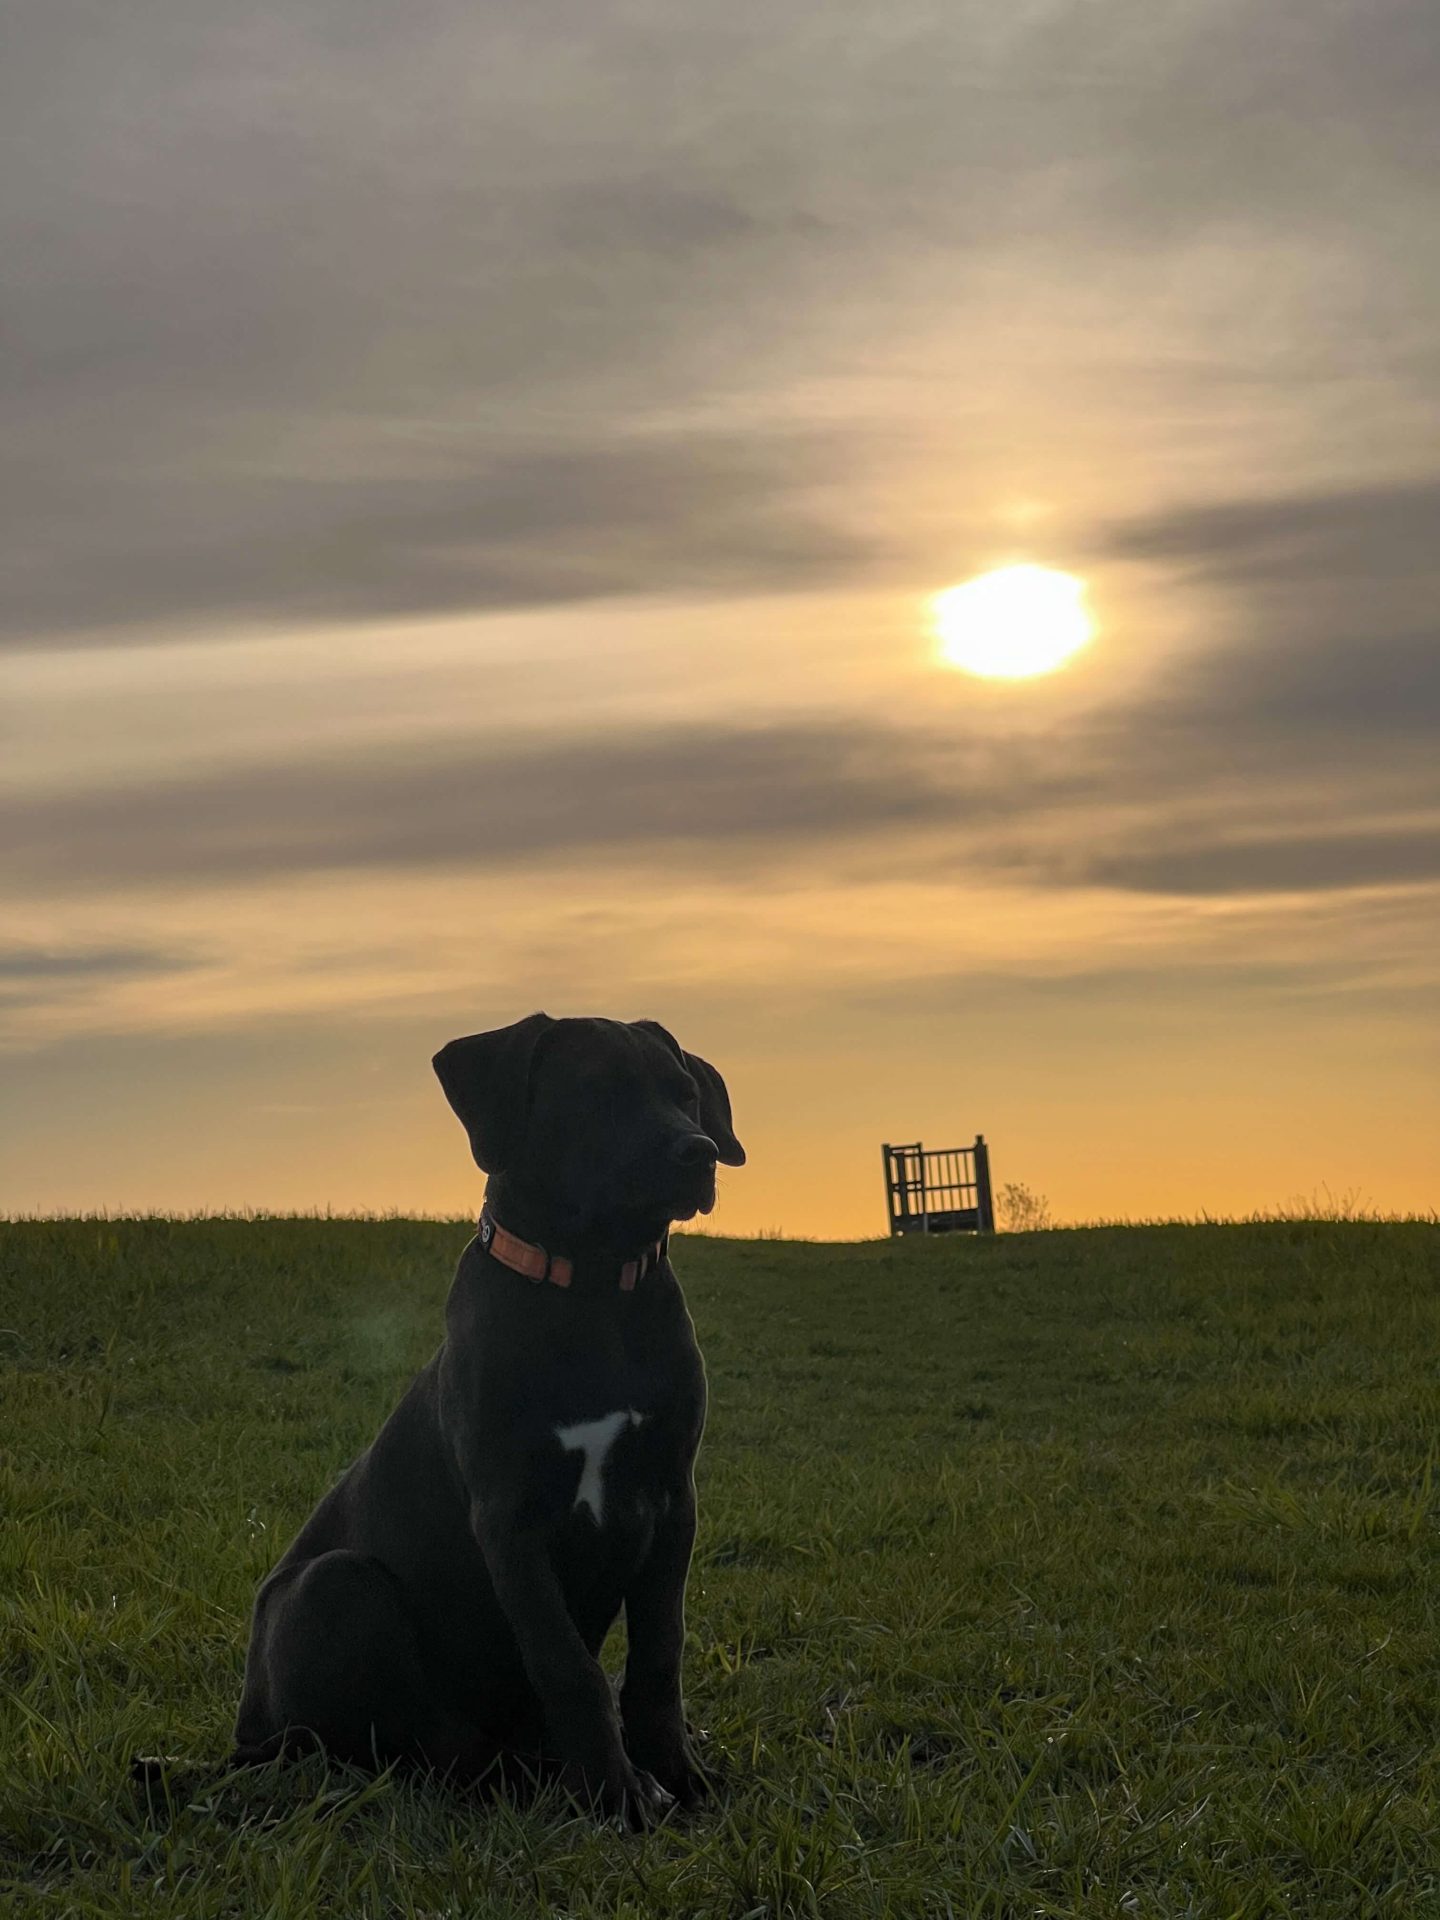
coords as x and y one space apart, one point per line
715 1110
486 1078
714 1096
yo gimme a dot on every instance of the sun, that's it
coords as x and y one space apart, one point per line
1012 624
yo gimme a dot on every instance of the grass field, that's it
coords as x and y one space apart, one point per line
1086 1572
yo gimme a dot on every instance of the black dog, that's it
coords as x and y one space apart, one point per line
446 1602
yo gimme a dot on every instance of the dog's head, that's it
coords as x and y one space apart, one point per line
599 1127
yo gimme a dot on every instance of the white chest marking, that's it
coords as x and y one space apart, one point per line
594 1438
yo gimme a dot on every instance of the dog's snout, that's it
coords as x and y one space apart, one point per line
696 1150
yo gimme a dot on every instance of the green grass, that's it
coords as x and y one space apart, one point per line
1087 1572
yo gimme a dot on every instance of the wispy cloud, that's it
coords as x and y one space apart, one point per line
491 803
1374 533
434 531
43 964
1279 863
309 324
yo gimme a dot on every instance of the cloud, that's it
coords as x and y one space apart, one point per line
1171 804
1279 863
37 976
316 319
1380 691
484 309
1295 757
638 792
695 514
45 964
1178 980
1292 124
1333 633
1374 533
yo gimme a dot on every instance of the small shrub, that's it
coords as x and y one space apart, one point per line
1022 1211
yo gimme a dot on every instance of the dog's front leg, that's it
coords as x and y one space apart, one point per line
651 1702
570 1684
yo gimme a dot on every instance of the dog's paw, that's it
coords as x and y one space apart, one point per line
675 1765
646 1801
687 1780
628 1795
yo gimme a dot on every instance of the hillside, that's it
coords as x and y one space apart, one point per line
1058 1574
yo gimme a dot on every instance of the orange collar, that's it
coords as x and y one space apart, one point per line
522 1256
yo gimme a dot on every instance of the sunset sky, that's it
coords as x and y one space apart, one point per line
475 481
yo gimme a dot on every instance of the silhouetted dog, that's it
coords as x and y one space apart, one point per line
446 1602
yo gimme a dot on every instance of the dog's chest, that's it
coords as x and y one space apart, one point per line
604 1465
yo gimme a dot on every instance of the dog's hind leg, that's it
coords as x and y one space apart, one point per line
335 1663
